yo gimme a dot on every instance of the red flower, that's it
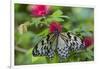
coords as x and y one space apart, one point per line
87 41
40 10
55 26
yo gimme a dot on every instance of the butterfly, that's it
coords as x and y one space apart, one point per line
57 42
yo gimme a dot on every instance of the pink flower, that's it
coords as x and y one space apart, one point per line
87 41
40 10
55 26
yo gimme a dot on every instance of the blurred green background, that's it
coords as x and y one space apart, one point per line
28 28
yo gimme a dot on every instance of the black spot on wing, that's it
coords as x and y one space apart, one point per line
75 38
68 34
42 42
66 40
73 43
48 36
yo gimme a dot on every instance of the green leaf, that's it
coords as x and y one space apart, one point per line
57 13
28 57
55 19
36 21
25 40
44 32
58 19
67 17
39 60
55 59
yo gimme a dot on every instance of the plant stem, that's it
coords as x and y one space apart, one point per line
20 49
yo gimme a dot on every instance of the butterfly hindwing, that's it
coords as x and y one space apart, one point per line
62 48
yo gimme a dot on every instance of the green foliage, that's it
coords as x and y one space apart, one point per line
39 60
36 21
29 30
24 40
57 16
57 13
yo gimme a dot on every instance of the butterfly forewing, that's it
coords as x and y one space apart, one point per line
73 41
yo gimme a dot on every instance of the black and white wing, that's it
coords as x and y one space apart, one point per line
68 42
63 43
46 46
73 41
62 48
